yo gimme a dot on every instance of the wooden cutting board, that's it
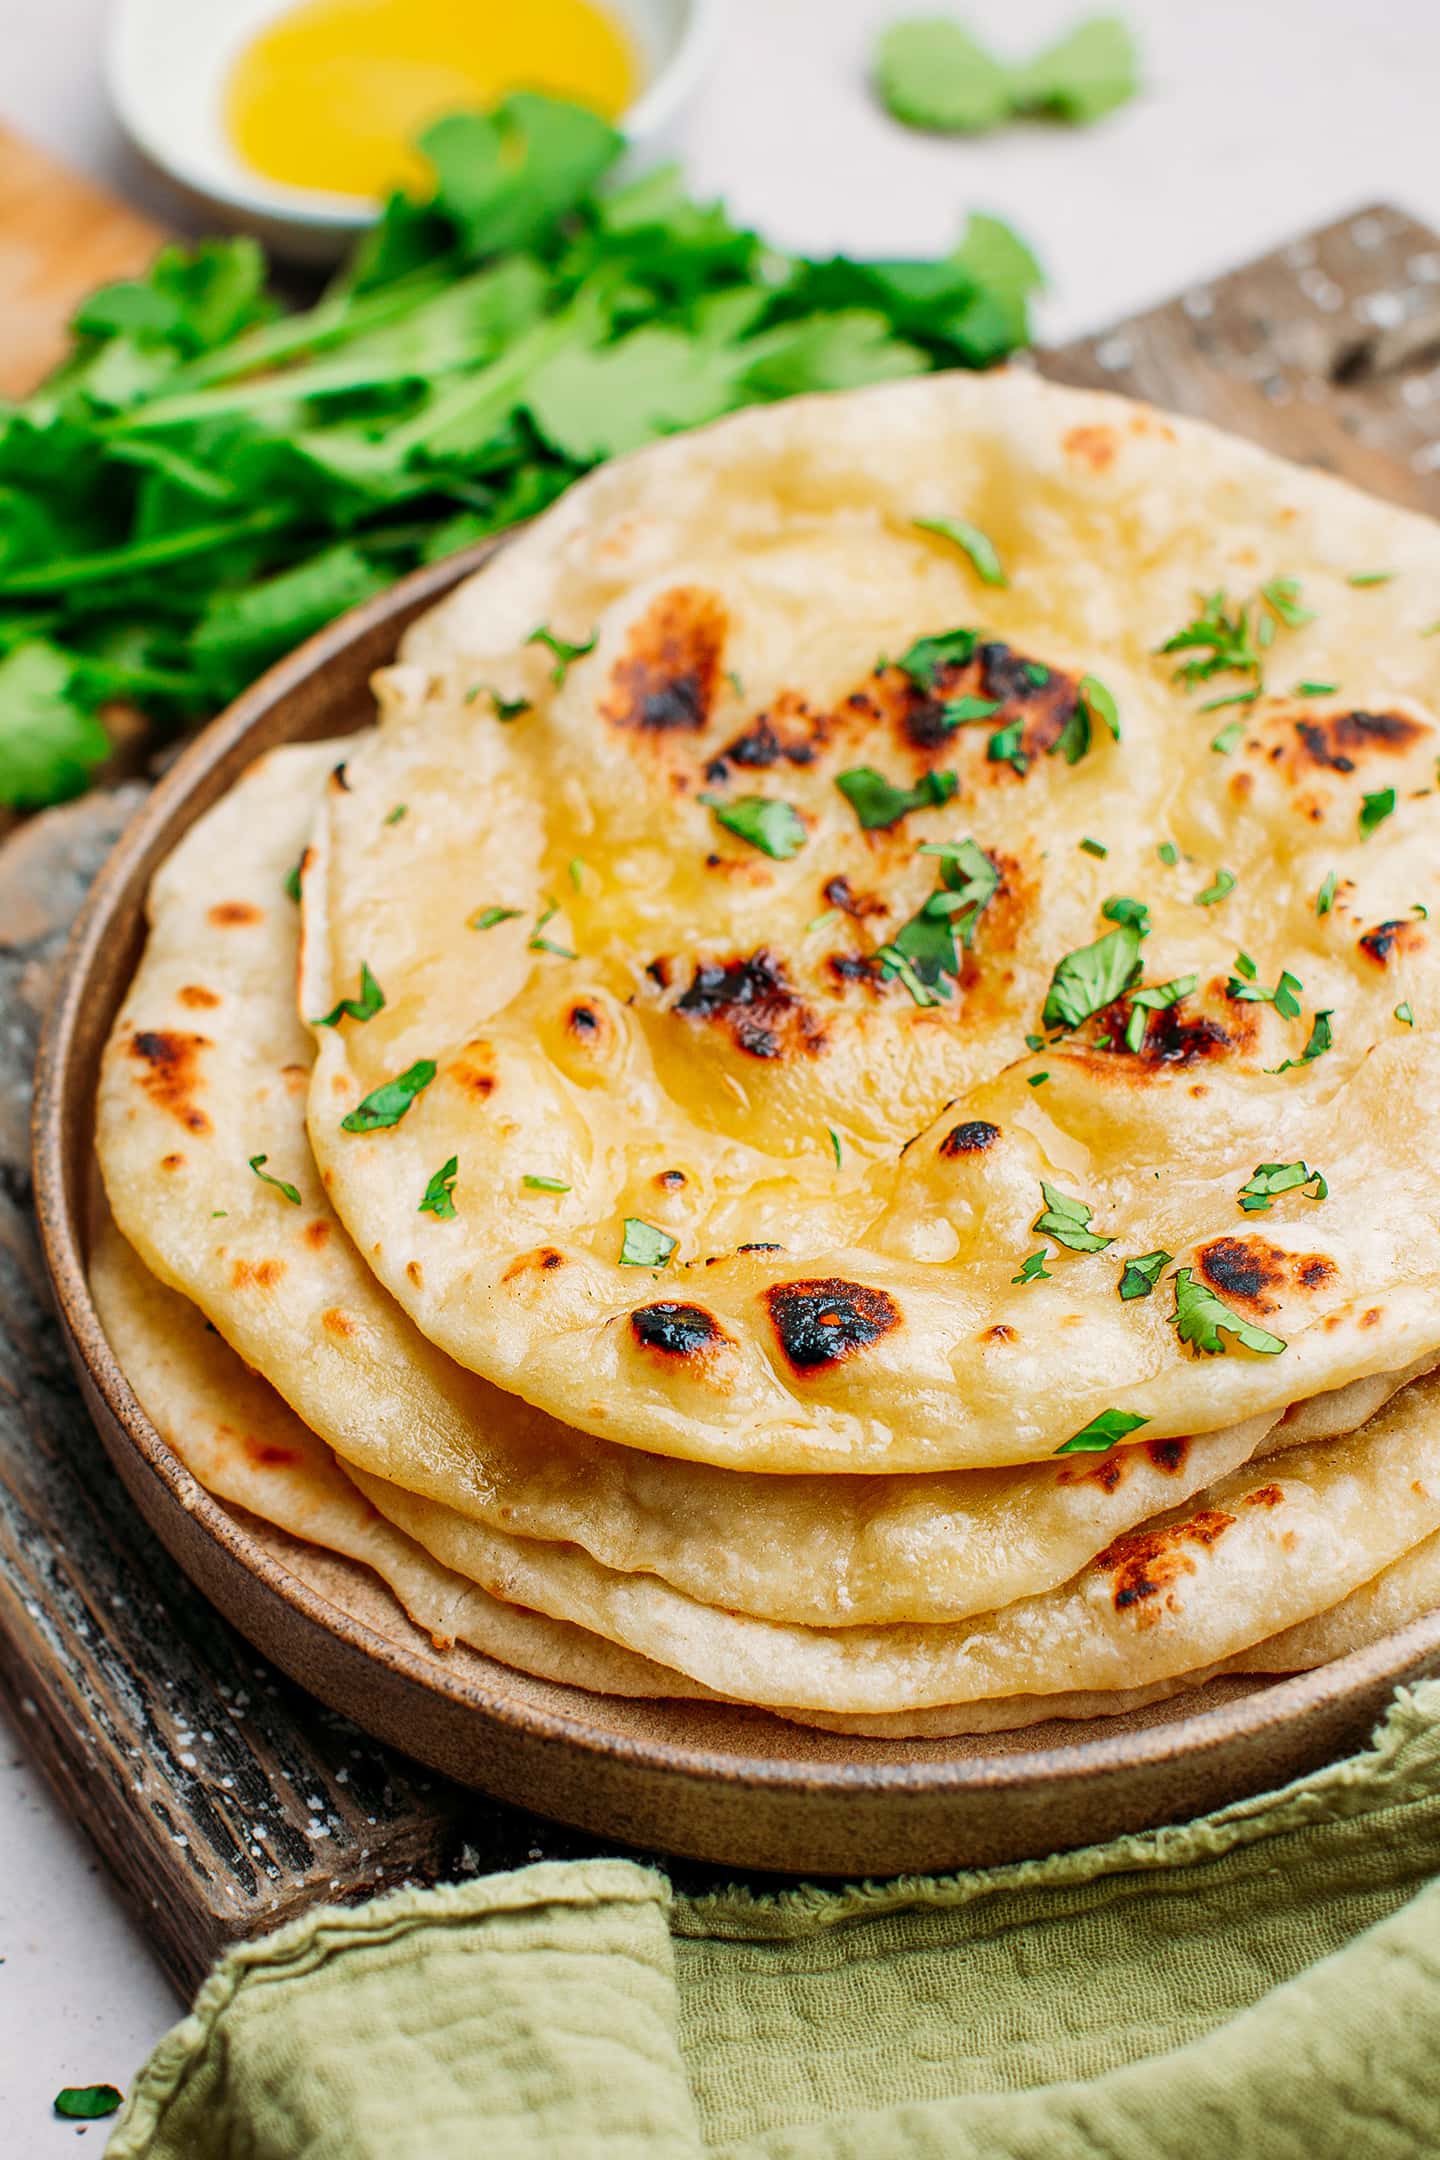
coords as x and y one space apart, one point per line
223 1798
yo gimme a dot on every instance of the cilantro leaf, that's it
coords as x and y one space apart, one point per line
1096 848
1034 1269
644 1245
1247 991
565 654
1282 595
439 1195
505 708
289 1192
292 882
503 178
1375 809
534 1182
370 1001
878 804
1094 706
1004 746
1229 738
1222 883
1270 1179
1222 640
1321 1039
1103 1432
536 943
1085 74
928 657
931 73
1139 1276
776 828
1120 908
978 546
1067 1221
1088 980
1325 898
1404 1014
1201 1319
49 744
1157 997
486 918
961 711
87 2103
388 1103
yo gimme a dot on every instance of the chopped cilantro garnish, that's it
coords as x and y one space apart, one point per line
1004 748
826 921
931 72
644 1245
534 1183
1282 597
1036 1079
1243 987
577 872
1404 1014
878 804
1201 1319
1158 997
1169 854
1223 882
923 952
1035 1042
87 2103
394 816
1315 689
1375 809
565 654
439 1196
1103 1432
1034 1269
505 708
1088 980
1094 706
1121 908
928 657
1325 898
1221 640
1140 1275
1371 577
536 943
961 711
1235 697
370 1001
1067 1221
292 881
388 1103
1270 1179
1229 738
1096 848
1321 1040
485 918
897 963
835 1145
764 821
981 550
290 1192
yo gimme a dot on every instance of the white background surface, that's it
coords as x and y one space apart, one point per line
1261 117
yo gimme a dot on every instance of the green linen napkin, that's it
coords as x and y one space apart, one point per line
1265 1980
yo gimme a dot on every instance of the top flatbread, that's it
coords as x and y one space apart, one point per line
724 1030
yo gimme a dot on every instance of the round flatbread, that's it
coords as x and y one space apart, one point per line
778 1140
240 1442
206 1074
1271 1545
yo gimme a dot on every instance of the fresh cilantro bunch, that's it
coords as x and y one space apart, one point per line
931 72
208 480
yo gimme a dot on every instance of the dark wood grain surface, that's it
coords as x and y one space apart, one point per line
224 1799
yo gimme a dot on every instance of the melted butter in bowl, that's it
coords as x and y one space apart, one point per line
330 94
291 119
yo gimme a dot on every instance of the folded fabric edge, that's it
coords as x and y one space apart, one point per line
1403 1750
331 1930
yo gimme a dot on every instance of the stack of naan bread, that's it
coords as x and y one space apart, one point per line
854 1137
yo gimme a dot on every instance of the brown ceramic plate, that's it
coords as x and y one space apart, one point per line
716 1783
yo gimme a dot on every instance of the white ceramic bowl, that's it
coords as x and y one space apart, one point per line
167 62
